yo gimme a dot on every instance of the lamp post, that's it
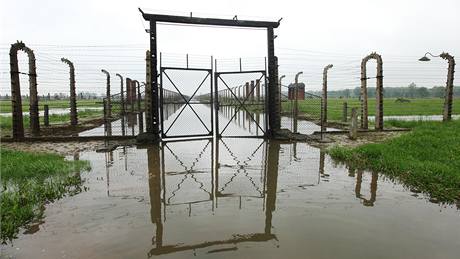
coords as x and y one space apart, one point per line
447 112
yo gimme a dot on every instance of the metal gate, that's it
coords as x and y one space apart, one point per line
173 104
241 110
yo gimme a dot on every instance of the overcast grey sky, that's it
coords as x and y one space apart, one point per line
312 34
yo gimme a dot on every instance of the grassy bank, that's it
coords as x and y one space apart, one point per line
428 106
29 181
6 121
5 105
426 159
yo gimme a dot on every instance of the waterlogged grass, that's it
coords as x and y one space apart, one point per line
6 122
5 105
29 181
426 159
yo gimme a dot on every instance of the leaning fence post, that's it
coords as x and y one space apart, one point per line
345 112
46 115
354 124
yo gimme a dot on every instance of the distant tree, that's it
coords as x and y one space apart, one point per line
422 92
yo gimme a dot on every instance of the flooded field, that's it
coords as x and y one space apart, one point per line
245 198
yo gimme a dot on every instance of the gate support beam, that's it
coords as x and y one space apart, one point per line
274 109
154 82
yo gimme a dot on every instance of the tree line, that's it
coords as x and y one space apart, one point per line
410 91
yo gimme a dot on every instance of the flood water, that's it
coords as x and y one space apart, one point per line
238 198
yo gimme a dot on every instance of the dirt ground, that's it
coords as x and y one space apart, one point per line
72 147
62 148
363 138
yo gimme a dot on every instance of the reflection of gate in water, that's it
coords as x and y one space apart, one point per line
194 171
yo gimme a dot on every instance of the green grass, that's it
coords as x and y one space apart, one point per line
5 105
29 181
428 106
6 122
426 158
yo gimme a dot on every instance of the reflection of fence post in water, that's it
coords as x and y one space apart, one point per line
359 178
154 176
271 168
321 163
249 121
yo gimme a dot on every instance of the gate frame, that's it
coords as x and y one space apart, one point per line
209 71
241 104
273 90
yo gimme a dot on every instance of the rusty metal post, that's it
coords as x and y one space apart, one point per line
122 95
109 103
16 101
73 95
46 115
447 112
324 101
296 103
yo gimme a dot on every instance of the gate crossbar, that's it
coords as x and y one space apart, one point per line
187 102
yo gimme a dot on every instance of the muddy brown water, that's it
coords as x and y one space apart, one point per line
237 198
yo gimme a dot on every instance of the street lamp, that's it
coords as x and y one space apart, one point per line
425 58
447 113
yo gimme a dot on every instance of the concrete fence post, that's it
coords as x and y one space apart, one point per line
16 102
296 103
108 97
281 89
447 112
122 95
46 115
354 124
324 101
73 95
379 93
345 112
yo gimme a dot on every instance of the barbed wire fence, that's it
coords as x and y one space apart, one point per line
343 79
